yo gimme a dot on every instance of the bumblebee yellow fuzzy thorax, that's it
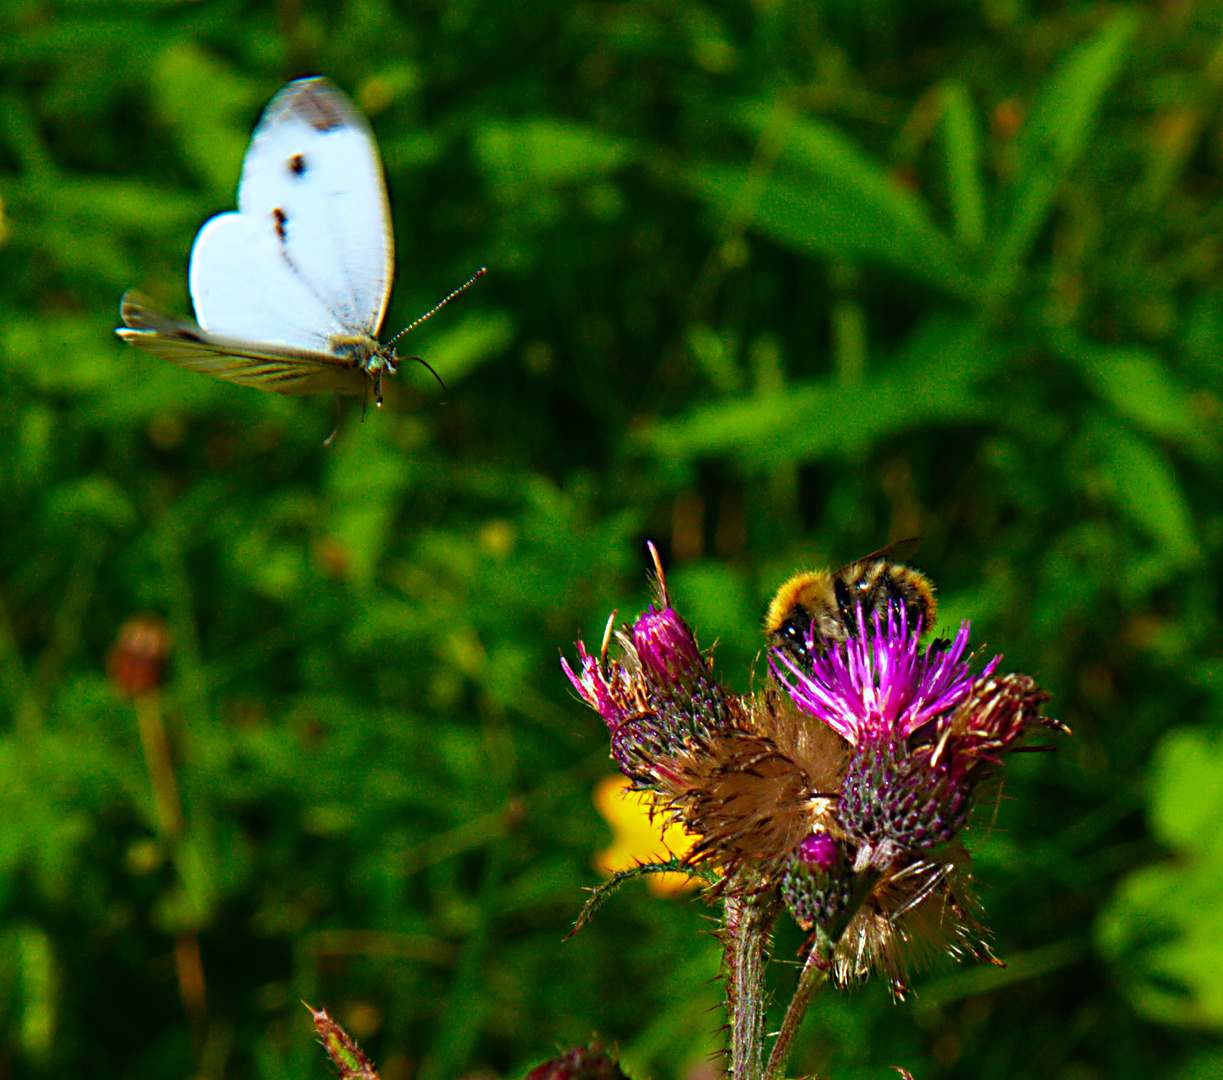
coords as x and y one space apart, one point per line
822 604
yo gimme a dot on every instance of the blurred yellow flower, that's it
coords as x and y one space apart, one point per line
638 839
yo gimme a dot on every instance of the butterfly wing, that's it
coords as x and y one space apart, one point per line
308 257
280 369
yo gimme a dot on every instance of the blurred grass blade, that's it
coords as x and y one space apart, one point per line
1137 478
932 379
545 152
961 145
40 989
825 196
209 109
1053 139
469 342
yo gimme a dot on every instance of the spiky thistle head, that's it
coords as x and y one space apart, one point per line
840 787
657 695
923 731
750 776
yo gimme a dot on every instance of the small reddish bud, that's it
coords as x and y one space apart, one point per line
584 1063
818 884
1007 119
136 661
820 849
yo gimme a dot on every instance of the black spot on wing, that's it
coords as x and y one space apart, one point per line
297 165
281 219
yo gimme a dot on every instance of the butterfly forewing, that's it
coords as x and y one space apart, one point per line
313 182
282 370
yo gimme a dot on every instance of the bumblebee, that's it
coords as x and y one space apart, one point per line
828 601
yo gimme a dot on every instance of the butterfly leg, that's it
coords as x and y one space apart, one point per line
336 425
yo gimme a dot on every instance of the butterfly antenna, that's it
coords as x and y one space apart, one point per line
445 392
438 307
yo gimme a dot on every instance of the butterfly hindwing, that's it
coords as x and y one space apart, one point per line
242 286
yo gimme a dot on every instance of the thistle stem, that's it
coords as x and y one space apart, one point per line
816 971
814 974
749 920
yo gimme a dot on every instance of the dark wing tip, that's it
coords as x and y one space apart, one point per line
136 312
317 101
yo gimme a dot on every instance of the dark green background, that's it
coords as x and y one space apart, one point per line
770 283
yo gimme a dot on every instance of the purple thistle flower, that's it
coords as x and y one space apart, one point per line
666 647
924 729
877 685
840 787
593 684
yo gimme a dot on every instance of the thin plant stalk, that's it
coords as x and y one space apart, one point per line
814 974
169 815
749 921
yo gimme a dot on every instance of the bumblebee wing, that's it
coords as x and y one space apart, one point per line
279 369
897 551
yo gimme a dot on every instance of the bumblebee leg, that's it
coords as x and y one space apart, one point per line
844 603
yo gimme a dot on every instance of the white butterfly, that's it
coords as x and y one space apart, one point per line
290 290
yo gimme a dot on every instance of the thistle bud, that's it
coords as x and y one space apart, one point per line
658 696
818 883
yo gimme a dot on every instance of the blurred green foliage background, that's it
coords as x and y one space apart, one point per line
771 283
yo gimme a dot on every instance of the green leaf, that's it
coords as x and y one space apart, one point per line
209 109
1186 792
1054 137
1163 929
716 358
474 339
95 498
1137 478
365 479
1143 390
546 152
827 197
813 217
